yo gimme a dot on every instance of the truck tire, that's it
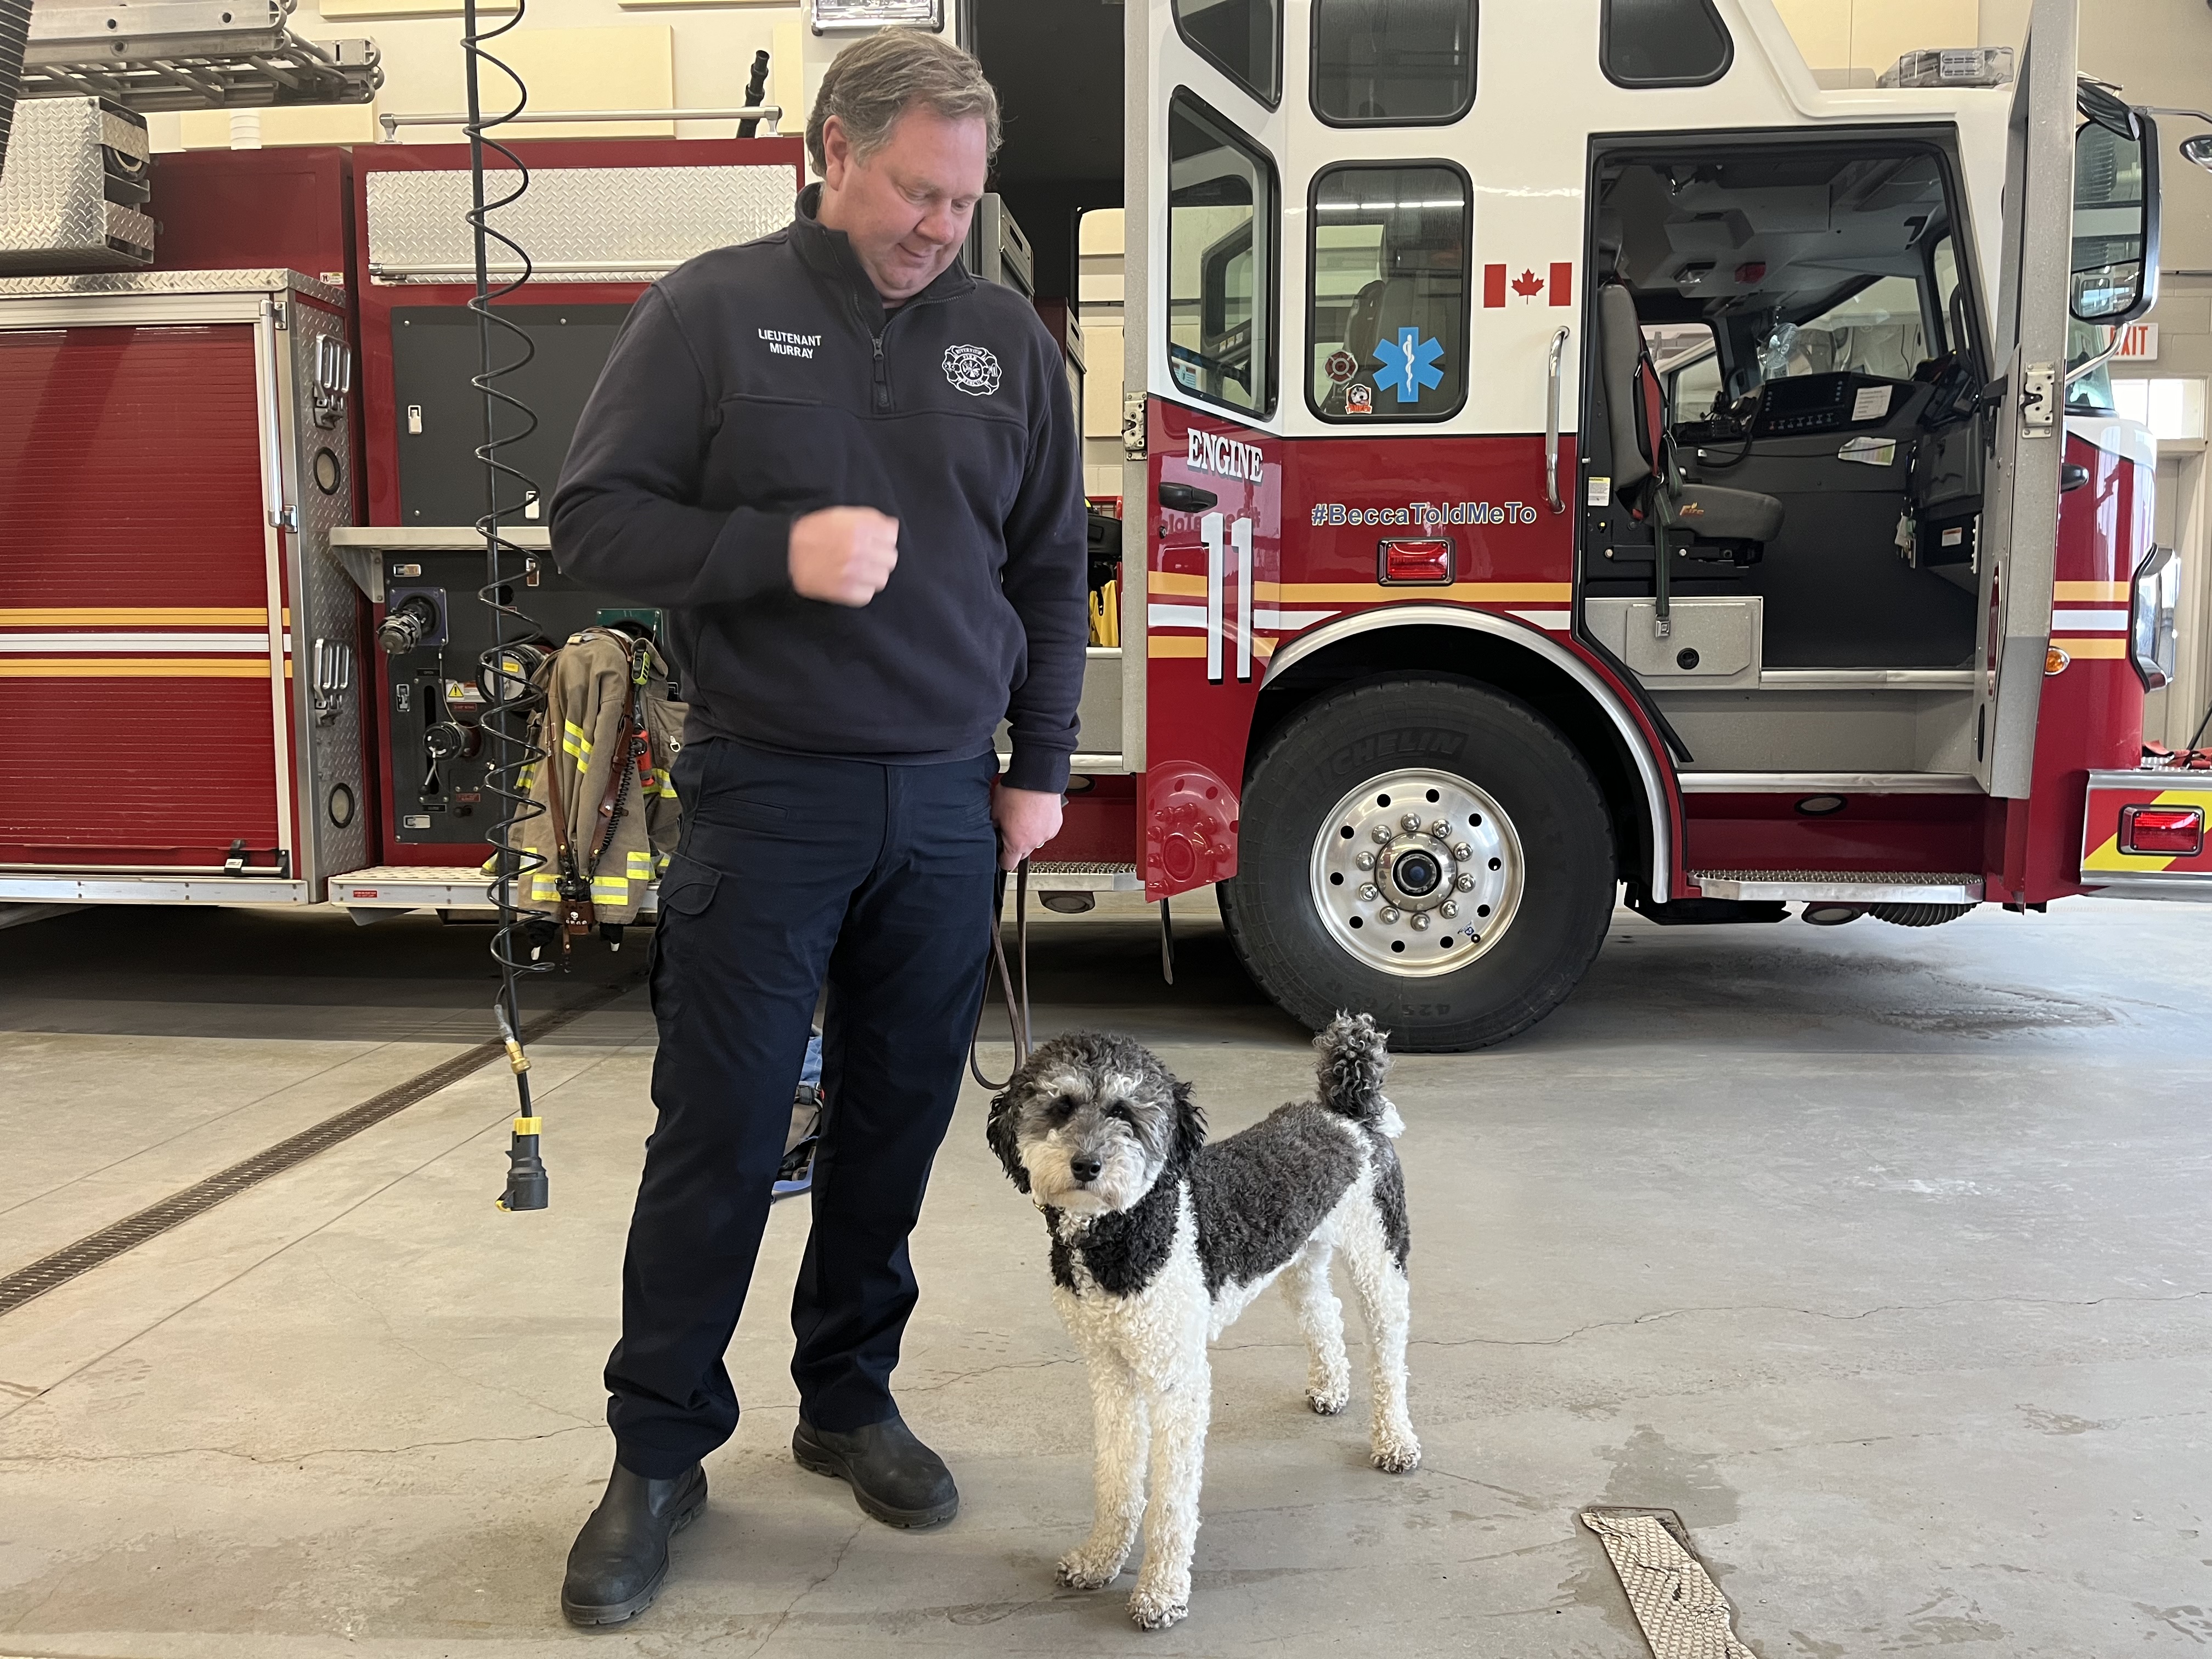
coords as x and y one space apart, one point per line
1347 896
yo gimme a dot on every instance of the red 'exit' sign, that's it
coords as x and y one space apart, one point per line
2138 344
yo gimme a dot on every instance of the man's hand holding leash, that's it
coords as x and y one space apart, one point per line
1026 819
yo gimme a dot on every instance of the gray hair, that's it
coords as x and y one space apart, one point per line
875 80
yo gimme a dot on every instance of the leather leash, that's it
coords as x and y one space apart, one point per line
1018 1011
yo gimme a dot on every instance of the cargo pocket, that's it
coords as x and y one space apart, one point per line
689 887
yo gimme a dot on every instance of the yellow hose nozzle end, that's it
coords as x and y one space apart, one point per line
525 1126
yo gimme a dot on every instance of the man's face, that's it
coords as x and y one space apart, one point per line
906 209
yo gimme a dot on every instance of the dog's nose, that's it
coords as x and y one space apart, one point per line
1084 1168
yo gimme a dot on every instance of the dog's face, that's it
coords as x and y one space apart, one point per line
1091 1122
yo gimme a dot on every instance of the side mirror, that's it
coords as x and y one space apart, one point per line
2198 150
2115 264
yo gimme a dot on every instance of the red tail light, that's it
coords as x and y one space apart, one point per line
2165 830
1425 561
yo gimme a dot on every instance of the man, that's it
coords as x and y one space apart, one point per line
851 475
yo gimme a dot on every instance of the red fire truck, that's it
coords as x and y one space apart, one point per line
1556 460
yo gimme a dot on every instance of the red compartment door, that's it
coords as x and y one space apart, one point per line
135 601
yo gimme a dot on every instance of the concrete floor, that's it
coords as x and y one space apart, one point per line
1883 1256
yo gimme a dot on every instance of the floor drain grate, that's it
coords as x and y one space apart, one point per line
45 1274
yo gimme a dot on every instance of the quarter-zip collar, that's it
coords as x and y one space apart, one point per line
830 252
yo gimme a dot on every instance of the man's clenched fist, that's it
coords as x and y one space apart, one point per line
842 555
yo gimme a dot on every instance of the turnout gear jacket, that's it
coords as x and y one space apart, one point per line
602 775
756 384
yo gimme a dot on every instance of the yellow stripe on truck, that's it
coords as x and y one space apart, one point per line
2109 856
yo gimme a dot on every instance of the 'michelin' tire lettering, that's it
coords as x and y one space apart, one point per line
1502 747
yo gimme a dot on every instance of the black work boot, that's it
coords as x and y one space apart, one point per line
619 1559
896 1478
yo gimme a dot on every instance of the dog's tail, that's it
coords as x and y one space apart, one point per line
1354 1056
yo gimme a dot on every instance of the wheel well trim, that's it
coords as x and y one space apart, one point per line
1537 644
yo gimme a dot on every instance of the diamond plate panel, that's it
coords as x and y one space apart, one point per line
326 607
54 191
168 281
580 224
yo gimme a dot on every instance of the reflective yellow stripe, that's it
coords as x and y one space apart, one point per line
610 889
164 615
136 668
543 886
641 867
573 740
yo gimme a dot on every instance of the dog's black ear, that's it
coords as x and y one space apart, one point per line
1189 1128
999 1130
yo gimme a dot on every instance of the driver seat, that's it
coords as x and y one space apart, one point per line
1702 520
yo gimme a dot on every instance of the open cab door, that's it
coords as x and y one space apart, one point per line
2021 532
1204 479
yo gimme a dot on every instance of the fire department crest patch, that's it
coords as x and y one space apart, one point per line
972 369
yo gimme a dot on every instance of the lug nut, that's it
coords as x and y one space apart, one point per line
1464 883
1383 835
1389 914
1450 908
1365 860
1411 822
1463 851
1441 828
1421 922
1369 892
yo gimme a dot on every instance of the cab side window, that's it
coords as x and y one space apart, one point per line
1664 43
1387 311
1393 62
1222 216
1242 39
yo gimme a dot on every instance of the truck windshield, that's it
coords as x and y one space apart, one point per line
1877 330
2093 393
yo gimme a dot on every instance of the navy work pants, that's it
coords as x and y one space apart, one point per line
795 869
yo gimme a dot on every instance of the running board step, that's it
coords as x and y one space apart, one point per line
456 887
1084 878
431 887
1840 886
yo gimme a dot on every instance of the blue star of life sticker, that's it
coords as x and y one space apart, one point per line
1409 363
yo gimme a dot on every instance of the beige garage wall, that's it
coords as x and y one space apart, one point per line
1847 43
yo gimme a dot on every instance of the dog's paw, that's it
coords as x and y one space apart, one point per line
1396 1454
1326 1403
1152 1609
1080 1570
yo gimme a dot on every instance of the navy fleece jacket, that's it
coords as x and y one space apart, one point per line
757 384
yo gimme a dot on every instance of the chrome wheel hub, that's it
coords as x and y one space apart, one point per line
1417 872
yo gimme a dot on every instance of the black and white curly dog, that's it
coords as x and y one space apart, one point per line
1159 1241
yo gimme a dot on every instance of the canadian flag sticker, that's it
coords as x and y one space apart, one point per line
1497 281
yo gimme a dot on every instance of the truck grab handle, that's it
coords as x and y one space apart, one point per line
1552 421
